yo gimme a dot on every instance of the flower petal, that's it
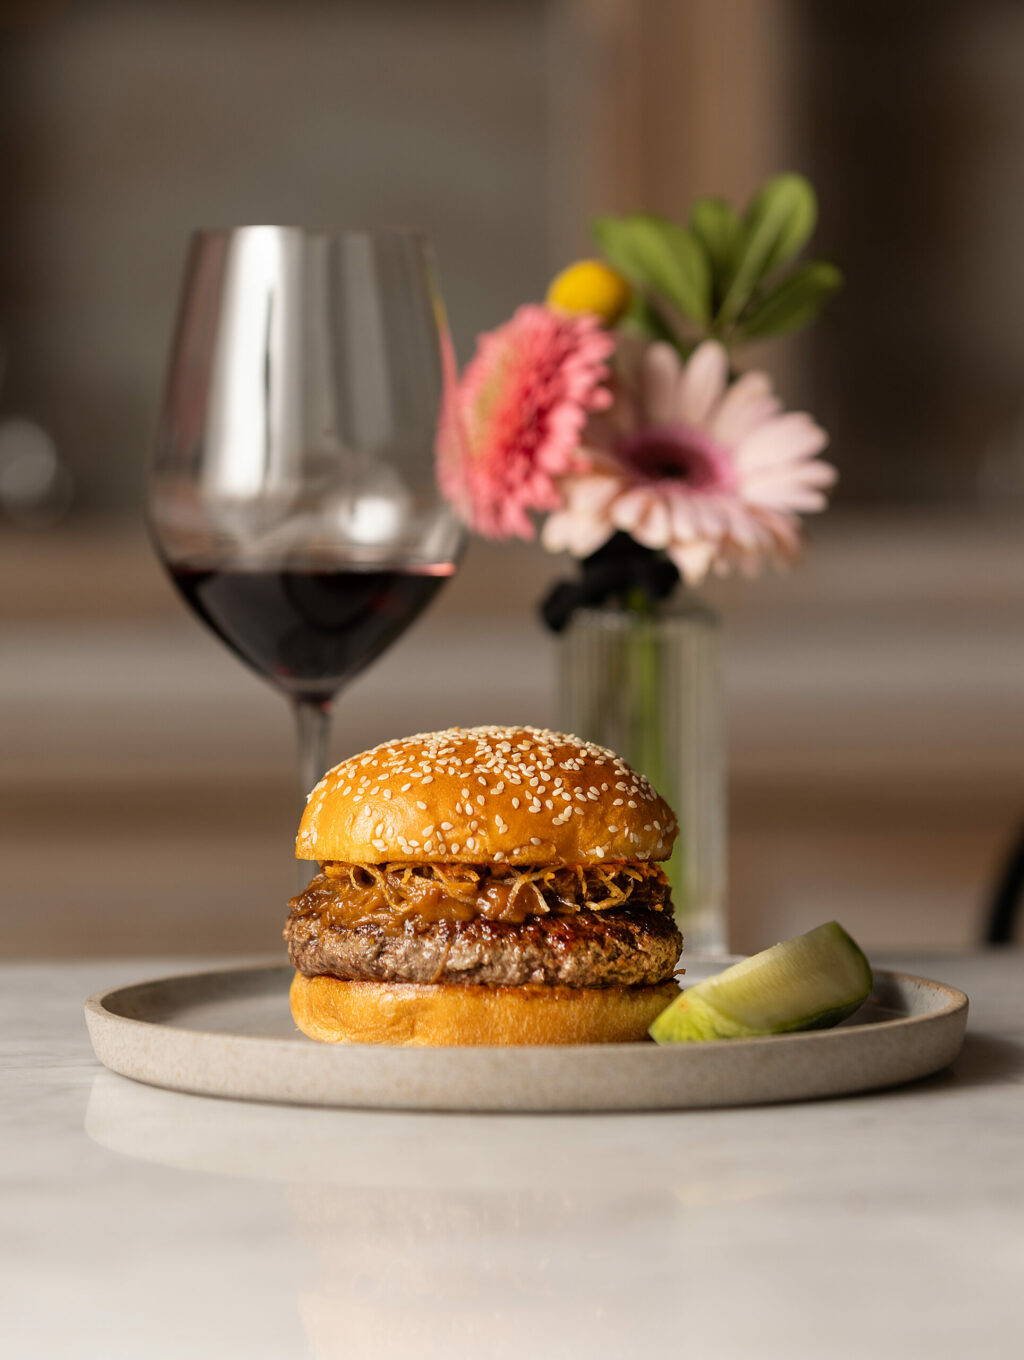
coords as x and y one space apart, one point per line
523 400
741 524
581 535
706 517
692 559
683 526
592 493
748 403
783 439
702 383
773 484
782 532
630 508
661 377
815 473
655 529
785 496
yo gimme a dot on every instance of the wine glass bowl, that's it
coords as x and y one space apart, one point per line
292 494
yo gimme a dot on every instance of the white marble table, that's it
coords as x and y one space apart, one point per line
139 1223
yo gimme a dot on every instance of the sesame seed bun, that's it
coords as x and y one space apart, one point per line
515 795
335 1011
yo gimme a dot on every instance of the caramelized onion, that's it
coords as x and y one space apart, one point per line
394 894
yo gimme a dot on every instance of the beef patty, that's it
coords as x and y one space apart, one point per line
628 947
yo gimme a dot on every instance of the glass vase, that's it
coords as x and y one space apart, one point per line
649 687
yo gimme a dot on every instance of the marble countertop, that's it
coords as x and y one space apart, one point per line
142 1223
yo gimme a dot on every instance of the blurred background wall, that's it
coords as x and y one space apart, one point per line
877 761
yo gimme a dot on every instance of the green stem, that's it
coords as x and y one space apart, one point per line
639 602
647 745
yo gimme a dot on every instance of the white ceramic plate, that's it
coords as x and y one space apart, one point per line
230 1033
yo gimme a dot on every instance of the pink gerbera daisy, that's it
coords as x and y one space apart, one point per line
512 429
713 473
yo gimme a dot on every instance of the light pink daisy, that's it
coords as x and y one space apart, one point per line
713 472
512 430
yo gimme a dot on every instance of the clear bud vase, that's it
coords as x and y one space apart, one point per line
649 687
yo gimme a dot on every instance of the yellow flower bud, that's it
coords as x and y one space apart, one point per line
590 286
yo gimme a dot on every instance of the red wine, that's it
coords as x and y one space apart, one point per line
309 630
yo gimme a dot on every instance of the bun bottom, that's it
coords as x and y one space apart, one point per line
407 1014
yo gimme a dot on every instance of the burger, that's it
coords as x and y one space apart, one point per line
487 885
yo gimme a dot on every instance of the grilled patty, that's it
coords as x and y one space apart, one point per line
632 946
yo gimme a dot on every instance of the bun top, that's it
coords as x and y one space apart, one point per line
481 795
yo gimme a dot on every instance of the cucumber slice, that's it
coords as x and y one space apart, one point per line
810 982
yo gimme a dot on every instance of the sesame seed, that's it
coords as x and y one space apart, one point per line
427 779
422 806
515 802
535 840
613 829
631 803
405 788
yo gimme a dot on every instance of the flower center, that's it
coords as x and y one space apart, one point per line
677 453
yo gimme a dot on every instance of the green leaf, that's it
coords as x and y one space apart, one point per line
717 227
661 256
643 318
776 228
791 203
795 302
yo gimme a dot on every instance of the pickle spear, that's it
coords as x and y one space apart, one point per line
810 982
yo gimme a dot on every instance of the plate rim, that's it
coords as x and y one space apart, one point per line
96 1006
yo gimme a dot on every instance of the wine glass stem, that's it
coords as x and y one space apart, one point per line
312 722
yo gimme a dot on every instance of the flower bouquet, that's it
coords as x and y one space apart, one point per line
616 415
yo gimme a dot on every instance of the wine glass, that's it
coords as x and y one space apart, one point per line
292 495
